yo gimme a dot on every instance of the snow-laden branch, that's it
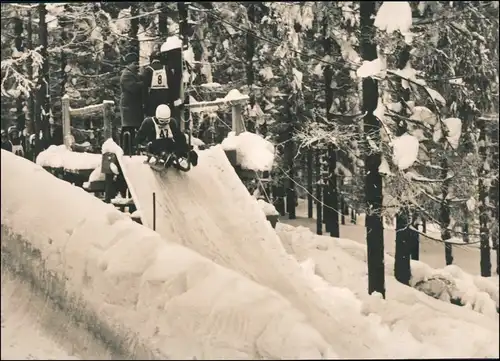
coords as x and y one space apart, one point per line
21 83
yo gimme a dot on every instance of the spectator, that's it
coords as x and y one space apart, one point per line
131 101
16 141
6 143
155 84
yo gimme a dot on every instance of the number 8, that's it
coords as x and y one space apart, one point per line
159 79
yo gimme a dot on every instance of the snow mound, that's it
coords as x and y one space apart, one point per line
424 115
196 142
405 151
453 284
428 327
173 42
58 156
109 146
454 128
97 175
235 94
235 234
160 295
253 152
371 68
268 208
393 16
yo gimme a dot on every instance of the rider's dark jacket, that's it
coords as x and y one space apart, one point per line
151 130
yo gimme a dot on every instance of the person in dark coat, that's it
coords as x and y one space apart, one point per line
6 143
131 101
156 85
16 140
162 134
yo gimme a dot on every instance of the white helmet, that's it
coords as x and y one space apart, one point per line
163 114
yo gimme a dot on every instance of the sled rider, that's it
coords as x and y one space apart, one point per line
162 134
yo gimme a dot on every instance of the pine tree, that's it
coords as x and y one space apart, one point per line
373 179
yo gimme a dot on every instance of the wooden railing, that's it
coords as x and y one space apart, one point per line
89 110
238 126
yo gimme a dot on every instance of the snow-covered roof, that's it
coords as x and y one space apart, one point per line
253 152
172 42
58 156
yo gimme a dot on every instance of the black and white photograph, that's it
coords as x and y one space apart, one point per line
249 180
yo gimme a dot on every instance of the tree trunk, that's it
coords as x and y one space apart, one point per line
319 193
494 197
30 103
484 219
373 180
162 22
43 94
402 267
20 100
134 30
331 193
289 159
310 183
331 189
444 216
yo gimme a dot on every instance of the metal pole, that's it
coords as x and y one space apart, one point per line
154 211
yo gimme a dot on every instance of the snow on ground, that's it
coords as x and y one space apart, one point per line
96 175
22 336
178 303
253 152
268 208
109 146
34 329
431 252
234 233
428 327
182 305
58 156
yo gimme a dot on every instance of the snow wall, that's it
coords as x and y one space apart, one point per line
145 297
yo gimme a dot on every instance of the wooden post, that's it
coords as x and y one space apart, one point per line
107 121
66 122
237 122
154 211
109 190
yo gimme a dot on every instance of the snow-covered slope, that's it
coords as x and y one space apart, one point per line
146 296
33 328
210 211
429 326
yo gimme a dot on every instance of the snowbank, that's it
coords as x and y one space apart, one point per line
453 284
235 234
123 280
109 146
23 334
58 156
268 208
96 175
253 151
427 327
